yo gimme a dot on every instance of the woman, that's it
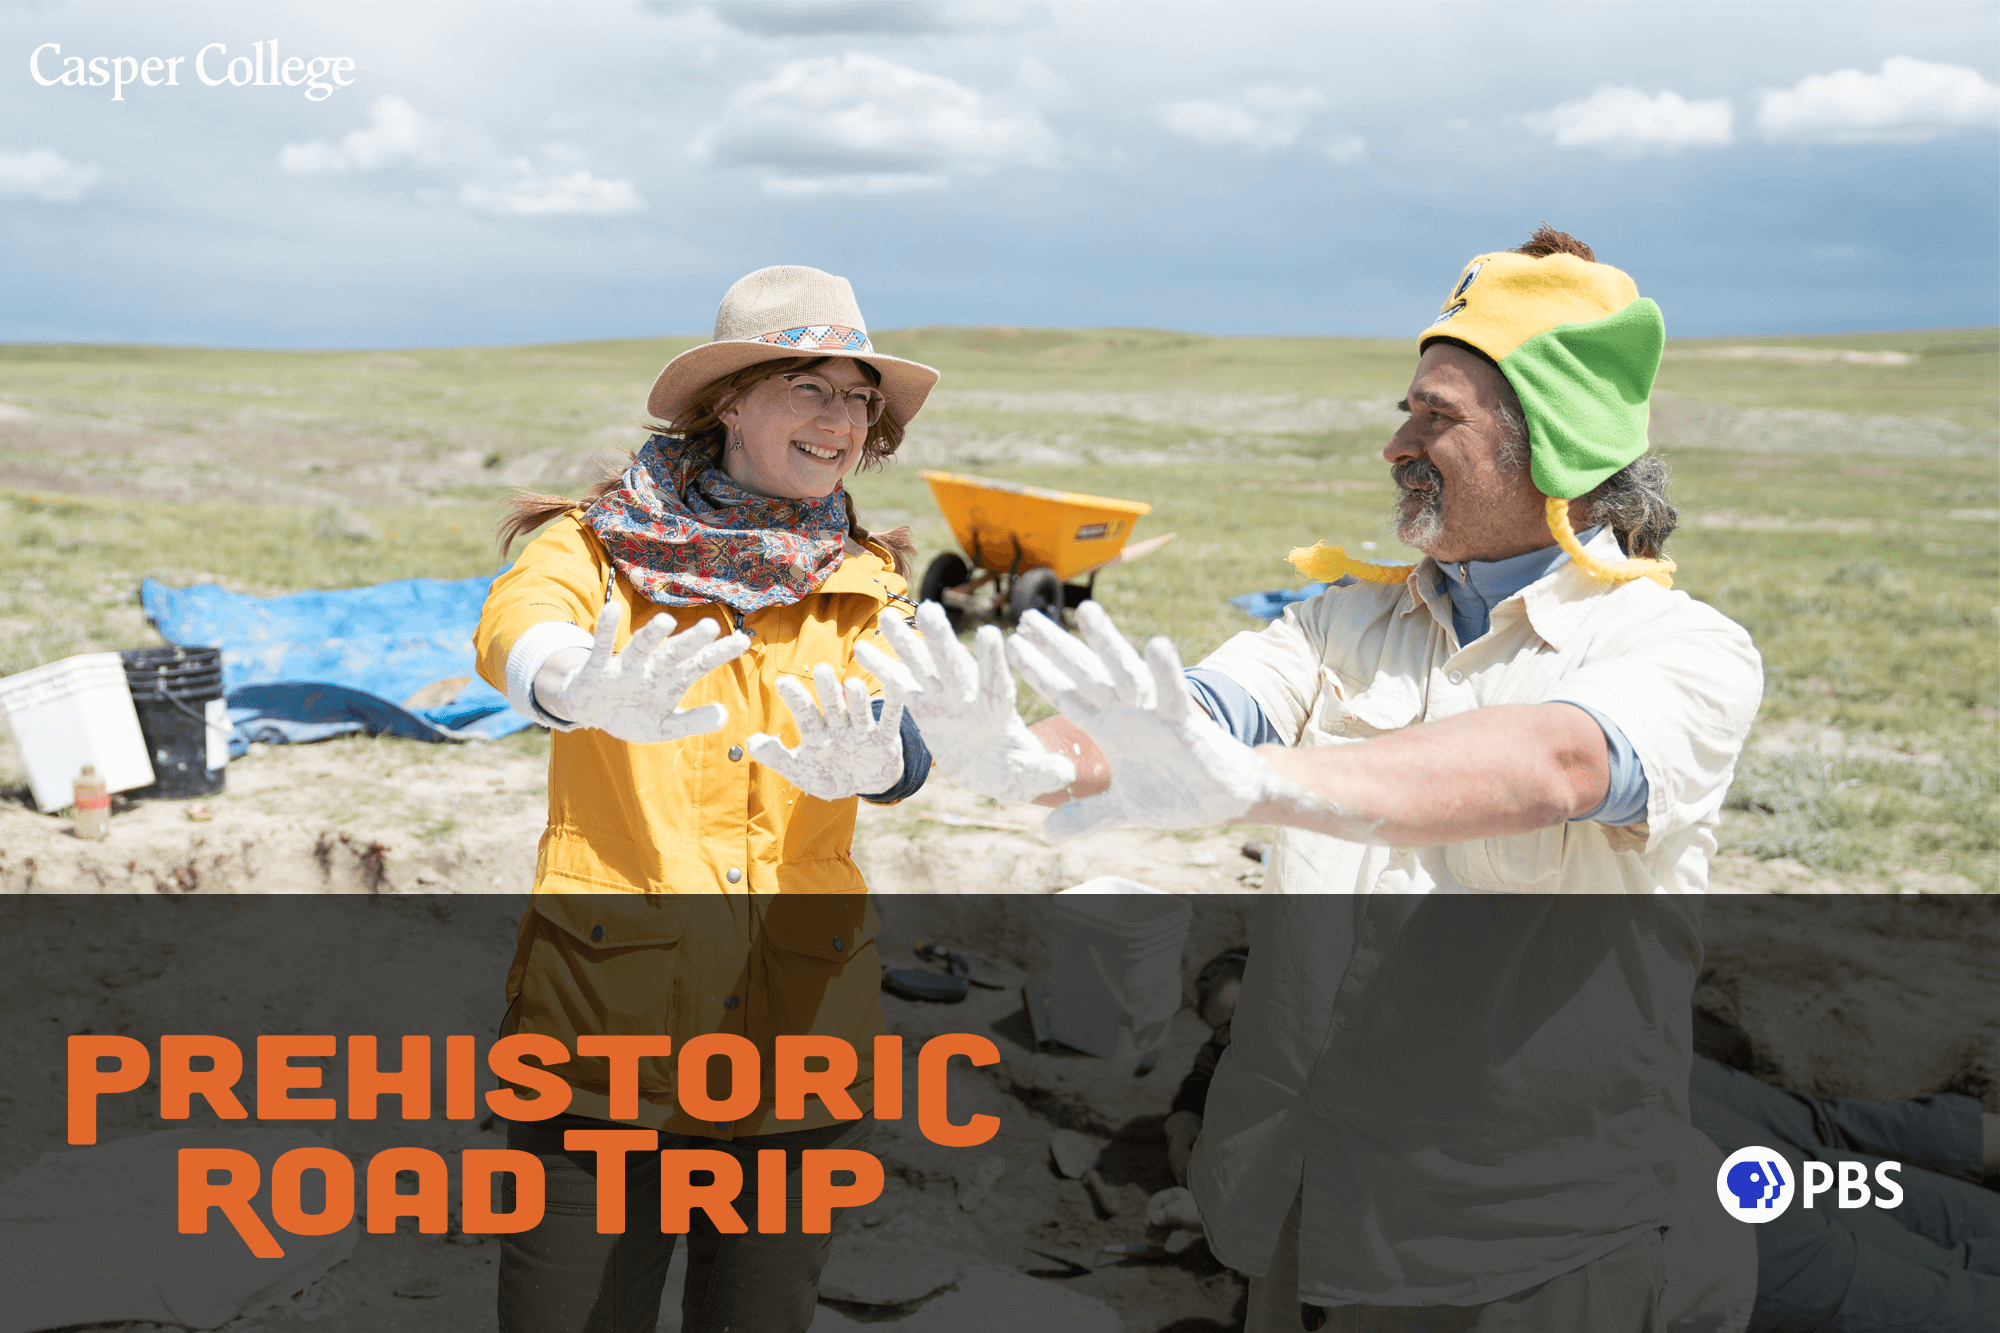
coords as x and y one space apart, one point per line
695 876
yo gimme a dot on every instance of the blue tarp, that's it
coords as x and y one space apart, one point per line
310 665
1271 605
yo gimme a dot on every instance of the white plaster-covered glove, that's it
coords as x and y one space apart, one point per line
635 695
1172 767
966 707
844 749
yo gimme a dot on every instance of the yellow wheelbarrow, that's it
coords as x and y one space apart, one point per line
1025 548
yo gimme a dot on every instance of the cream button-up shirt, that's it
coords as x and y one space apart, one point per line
1469 1063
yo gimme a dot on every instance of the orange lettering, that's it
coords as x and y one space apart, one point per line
934 1090
819 1196
430 1205
796 1082
624 1053
411 1084
745 1079
507 1059
480 1165
233 1197
771 1191
888 1078
459 1081
276 1078
87 1081
180 1082
288 1208
679 1196
611 1145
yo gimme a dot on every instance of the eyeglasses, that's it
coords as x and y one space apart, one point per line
811 397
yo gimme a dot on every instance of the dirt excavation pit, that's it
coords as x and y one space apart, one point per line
1854 995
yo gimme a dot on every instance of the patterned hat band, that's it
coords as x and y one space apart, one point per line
822 338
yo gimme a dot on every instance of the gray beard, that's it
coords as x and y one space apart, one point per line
1423 529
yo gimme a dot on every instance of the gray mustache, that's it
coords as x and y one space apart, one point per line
1418 471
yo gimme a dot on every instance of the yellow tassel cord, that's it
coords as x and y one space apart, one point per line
1659 571
1325 563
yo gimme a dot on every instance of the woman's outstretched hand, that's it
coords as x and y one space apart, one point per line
965 707
635 695
1171 766
844 749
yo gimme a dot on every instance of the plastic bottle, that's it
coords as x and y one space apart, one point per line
93 806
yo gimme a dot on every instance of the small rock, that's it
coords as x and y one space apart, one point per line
992 1301
868 1270
422 1289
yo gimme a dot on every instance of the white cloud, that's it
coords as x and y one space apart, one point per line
858 124
530 195
1261 119
1909 101
1345 148
1625 122
900 18
861 183
398 135
44 174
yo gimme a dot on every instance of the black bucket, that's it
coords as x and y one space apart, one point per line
172 688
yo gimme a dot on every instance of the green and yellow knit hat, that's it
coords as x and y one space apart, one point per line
1581 348
1579 345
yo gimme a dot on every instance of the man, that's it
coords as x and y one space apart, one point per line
1457 1093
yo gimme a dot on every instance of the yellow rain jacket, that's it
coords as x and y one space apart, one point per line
682 888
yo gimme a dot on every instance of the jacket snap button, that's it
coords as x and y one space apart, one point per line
597 932
838 947
730 1002
724 1124
735 753
734 875
1320 1110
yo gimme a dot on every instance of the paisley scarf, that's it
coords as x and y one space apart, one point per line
685 534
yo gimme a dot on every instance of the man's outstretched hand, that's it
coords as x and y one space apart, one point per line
1171 766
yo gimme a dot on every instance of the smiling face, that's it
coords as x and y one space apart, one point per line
1463 490
774 451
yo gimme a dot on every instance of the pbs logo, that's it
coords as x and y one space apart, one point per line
1755 1185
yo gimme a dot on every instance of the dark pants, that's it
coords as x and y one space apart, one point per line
1931 1265
563 1277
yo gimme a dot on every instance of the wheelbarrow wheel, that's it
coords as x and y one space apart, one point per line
947 570
1036 590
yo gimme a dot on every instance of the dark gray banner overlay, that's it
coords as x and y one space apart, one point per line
1073 1115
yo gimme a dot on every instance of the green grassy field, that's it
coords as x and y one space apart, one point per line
1845 511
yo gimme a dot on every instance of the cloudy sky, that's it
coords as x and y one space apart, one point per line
497 172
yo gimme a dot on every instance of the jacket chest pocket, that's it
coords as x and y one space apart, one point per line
607 963
1518 862
815 964
1346 709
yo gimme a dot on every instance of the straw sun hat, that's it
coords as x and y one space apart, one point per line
787 311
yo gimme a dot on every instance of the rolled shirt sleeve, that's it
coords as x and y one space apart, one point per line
1276 668
1683 689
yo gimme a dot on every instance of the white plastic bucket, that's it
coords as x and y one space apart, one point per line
1117 975
73 712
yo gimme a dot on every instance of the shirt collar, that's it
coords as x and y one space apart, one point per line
1555 601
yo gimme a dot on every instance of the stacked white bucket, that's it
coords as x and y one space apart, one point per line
70 713
1117 974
